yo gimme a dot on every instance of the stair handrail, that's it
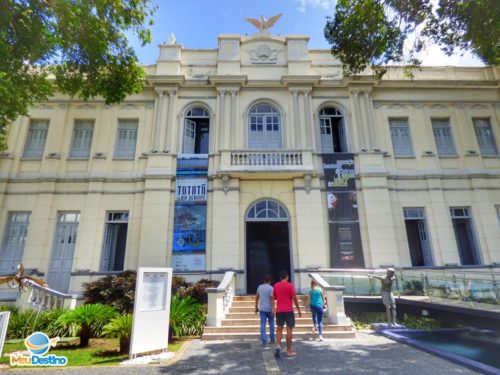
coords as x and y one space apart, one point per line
334 294
220 299
45 297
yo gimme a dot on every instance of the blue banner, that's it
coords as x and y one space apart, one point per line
189 238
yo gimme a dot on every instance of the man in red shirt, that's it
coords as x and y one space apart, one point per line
284 295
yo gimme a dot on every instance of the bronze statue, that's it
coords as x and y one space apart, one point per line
263 23
20 277
387 296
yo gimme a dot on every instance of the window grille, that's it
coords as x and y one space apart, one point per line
82 139
443 137
401 138
267 210
35 141
485 136
126 139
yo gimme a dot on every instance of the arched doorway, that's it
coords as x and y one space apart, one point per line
196 131
267 242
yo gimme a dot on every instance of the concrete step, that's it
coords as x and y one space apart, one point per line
253 315
299 328
296 336
256 321
247 309
300 297
251 304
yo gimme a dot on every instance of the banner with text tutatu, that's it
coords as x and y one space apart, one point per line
190 213
345 239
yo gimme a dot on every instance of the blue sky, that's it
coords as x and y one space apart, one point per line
197 23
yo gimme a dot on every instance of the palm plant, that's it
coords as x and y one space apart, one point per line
121 327
89 320
186 316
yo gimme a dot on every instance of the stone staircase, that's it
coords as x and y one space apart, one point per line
241 322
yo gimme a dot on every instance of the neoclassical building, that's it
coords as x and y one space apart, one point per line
256 156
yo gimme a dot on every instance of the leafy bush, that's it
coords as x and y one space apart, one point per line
178 284
121 327
116 291
187 316
197 290
88 320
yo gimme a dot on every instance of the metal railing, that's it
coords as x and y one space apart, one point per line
467 287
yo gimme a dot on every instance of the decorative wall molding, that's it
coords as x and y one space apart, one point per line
263 54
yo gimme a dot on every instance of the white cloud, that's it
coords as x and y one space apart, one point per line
302 5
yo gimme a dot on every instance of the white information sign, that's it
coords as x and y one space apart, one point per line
188 262
151 310
4 323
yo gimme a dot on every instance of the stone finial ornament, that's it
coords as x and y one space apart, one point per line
264 24
171 39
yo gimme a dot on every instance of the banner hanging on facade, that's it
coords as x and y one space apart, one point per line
189 238
345 240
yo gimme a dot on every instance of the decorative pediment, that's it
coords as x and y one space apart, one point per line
264 54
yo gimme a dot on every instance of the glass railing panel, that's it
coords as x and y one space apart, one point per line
482 291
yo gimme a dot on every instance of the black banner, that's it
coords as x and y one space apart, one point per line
345 240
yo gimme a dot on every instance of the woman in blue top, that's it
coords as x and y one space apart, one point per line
316 302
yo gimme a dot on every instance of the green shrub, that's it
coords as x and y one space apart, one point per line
116 291
179 284
187 316
197 291
88 320
121 327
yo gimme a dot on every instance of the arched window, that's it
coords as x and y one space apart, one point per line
332 132
267 210
264 127
196 131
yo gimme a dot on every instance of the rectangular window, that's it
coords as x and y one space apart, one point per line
443 137
126 139
82 139
468 250
115 242
400 136
485 136
16 231
35 141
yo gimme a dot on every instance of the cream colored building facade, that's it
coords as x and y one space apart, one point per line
83 181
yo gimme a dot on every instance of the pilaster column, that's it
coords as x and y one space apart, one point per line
159 106
369 117
358 120
222 115
296 120
308 125
232 125
170 115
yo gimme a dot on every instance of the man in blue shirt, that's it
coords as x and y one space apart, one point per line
263 305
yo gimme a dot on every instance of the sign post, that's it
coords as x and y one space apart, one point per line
151 310
4 323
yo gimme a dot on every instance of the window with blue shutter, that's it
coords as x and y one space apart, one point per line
443 137
126 140
400 136
35 140
264 130
16 232
485 136
82 139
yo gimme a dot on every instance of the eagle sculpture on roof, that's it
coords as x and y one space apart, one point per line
263 23
20 277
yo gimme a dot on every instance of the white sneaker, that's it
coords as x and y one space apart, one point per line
321 338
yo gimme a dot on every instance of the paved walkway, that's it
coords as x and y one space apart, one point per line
368 354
